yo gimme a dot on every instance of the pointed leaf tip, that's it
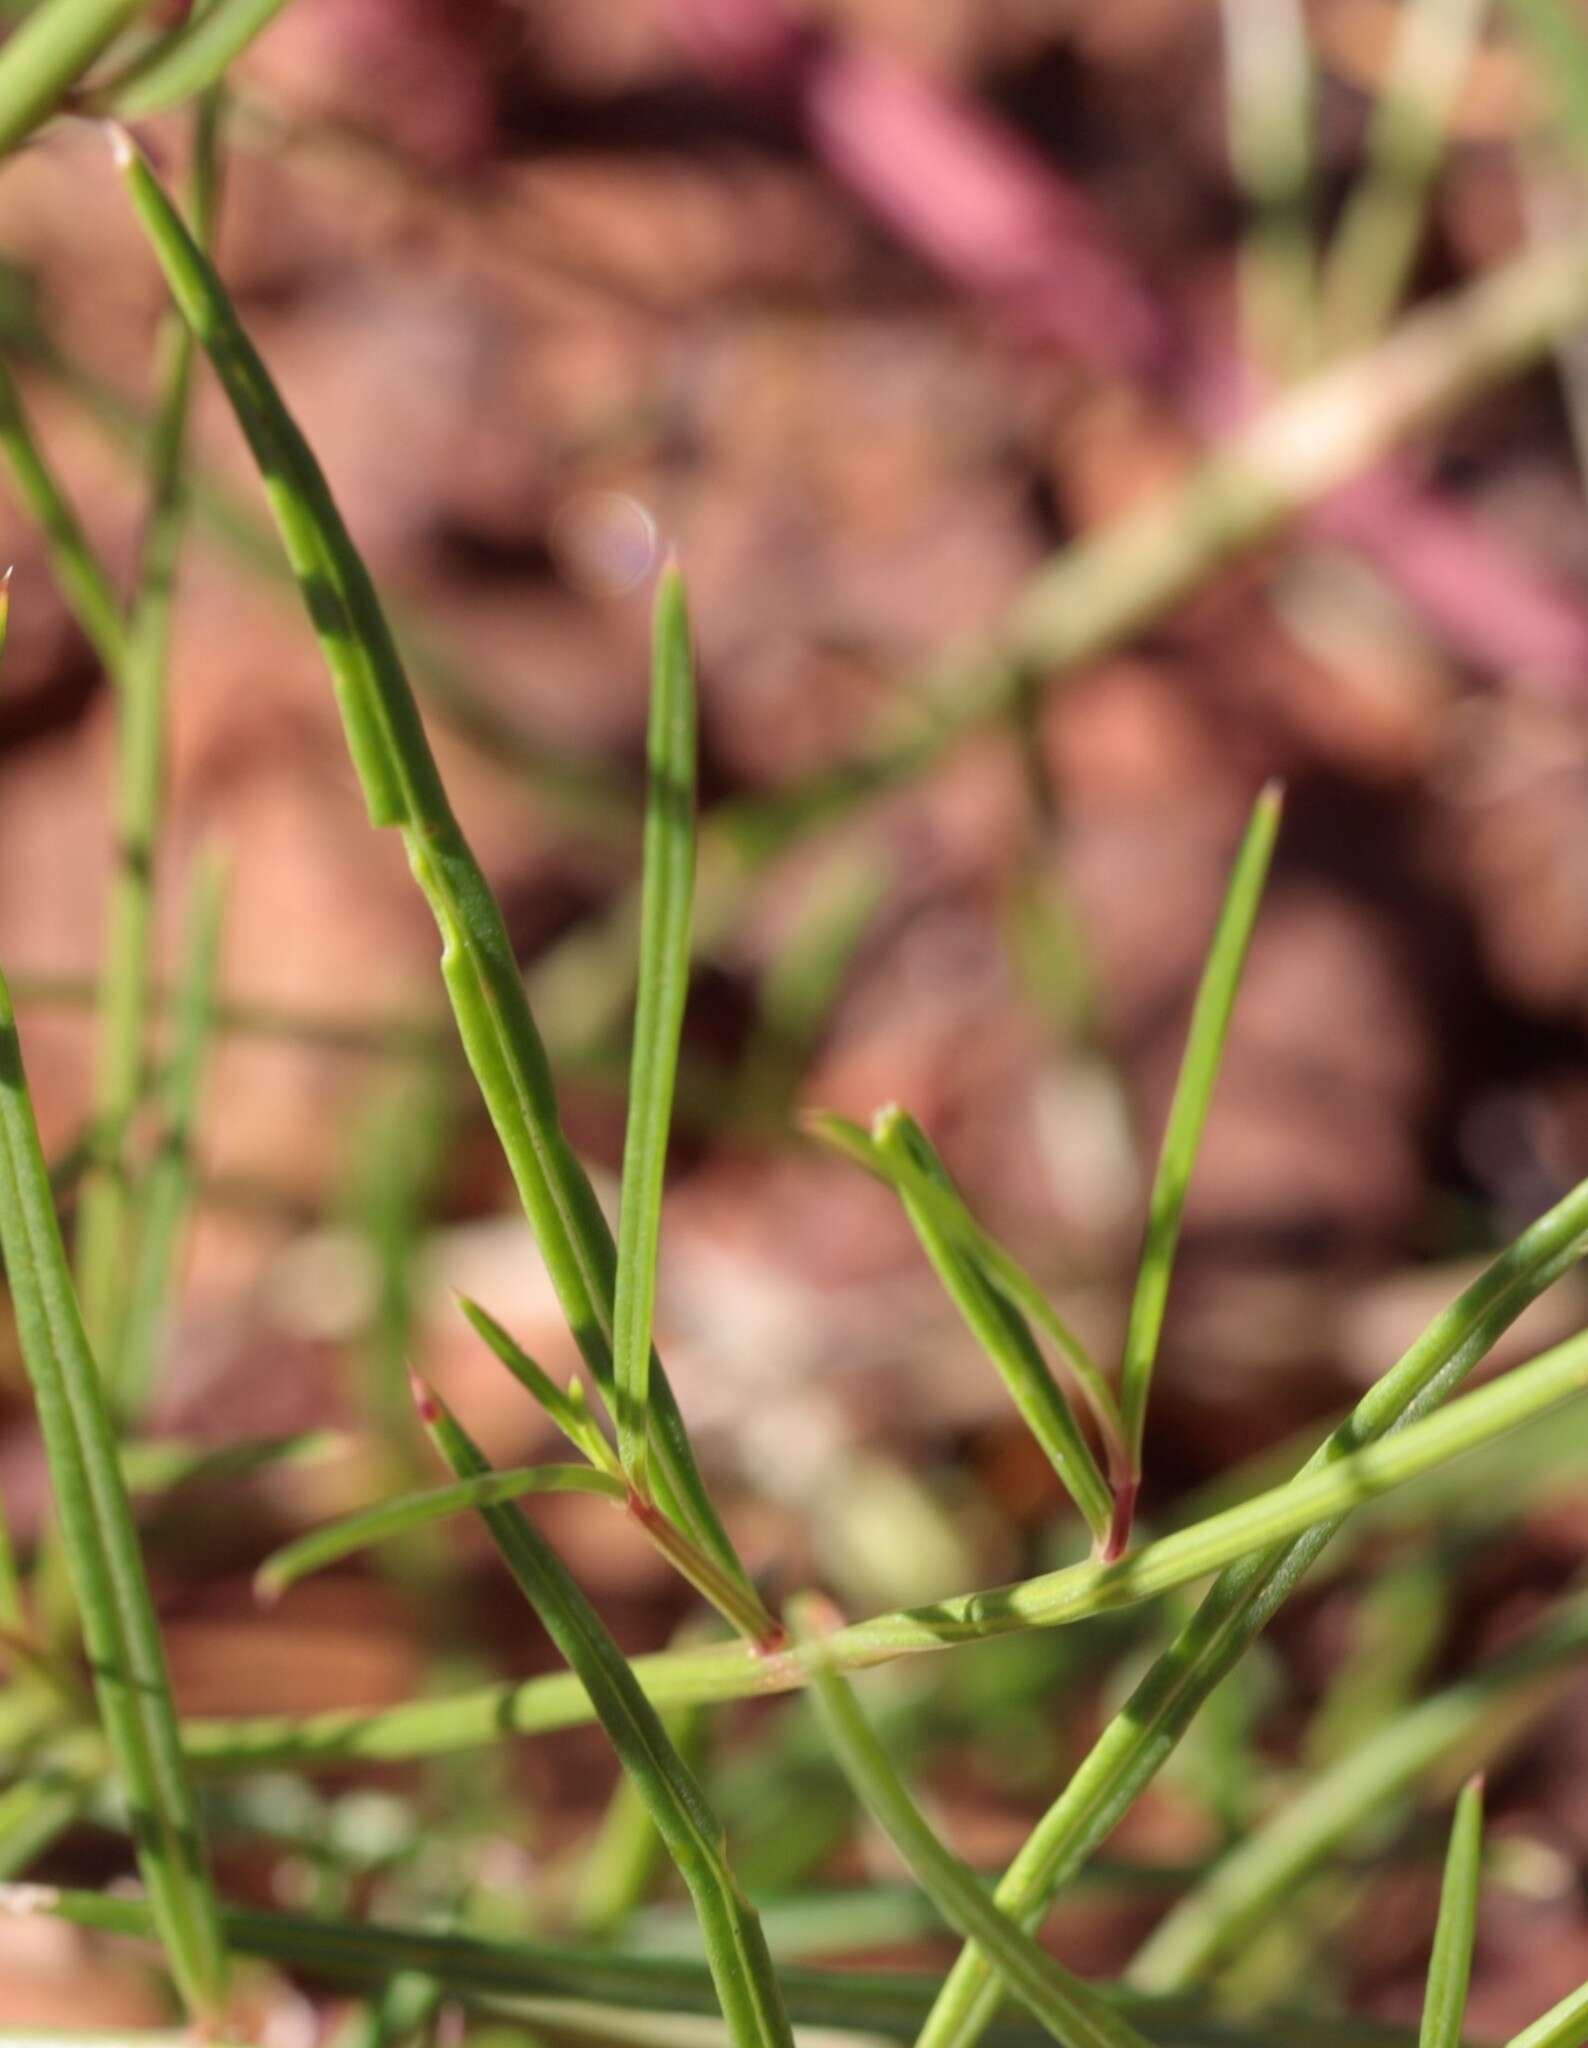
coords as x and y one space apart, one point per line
427 1402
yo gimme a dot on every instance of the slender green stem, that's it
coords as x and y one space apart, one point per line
1199 1068
1243 1890
119 1625
618 1870
34 1813
402 787
48 53
1564 2026
103 1214
1070 2010
12 1615
167 1195
1140 1738
658 1017
83 579
184 63
736 1950
997 1324
1271 89
389 1519
1450 1969
566 1407
1272 1538
1376 243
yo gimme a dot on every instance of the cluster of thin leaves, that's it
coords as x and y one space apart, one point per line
91 1344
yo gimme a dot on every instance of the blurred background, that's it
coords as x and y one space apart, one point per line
869 311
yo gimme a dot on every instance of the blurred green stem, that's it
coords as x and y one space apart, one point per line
1376 243
103 1221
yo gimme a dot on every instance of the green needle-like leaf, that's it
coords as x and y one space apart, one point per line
119 1627
188 60
402 787
736 1950
1210 1024
46 55
936 1195
1564 2026
1071 2011
996 1323
1450 1970
393 1518
566 1407
618 1869
658 1014
83 580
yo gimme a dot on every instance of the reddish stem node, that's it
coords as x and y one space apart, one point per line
1117 1541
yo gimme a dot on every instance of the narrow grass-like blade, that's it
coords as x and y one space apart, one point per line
1565 2025
104 1211
400 1148
34 1813
119 1626
1271 93
393 1518
48 53
1450 1970
736 1950
937 1196
658 1015
1145 1732
1376 243
82 577
1210 1023
189 59
619 1868
567 1411
12 1616
1071 2011
997 1325
167 1193
402 786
